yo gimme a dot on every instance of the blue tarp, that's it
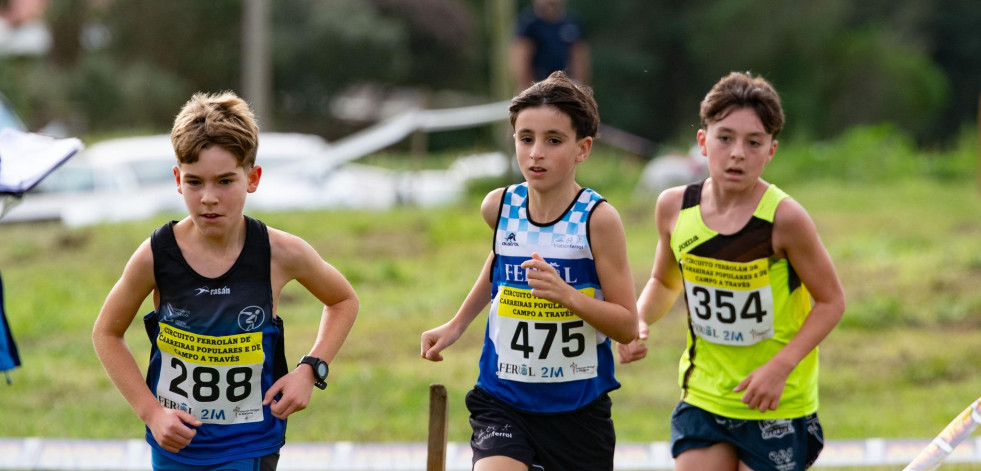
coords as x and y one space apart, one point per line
9 358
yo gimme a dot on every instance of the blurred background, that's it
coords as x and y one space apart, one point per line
99 68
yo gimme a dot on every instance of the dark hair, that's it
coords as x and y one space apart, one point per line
559 91
743 90
221 119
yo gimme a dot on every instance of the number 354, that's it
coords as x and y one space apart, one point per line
724 307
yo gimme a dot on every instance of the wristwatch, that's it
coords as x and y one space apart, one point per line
320 370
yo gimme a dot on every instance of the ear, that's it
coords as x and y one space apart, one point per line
255 173
585 145
772 151
701 136
177 178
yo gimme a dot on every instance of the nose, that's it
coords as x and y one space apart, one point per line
209 195
537 150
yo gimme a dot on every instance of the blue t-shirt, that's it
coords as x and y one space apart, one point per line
553 41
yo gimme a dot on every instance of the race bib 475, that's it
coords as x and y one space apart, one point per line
539 341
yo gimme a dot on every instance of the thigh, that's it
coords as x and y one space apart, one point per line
720 456
499 463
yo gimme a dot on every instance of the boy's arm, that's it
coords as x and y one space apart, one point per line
296 259
436 340
616 314
663 287
795 236
121 305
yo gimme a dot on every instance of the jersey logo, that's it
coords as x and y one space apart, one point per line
174 315
511 240
213 292
569 242
251 318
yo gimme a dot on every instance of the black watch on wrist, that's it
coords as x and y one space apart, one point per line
320 370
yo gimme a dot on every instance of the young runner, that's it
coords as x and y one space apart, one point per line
218 389
560 288
750 263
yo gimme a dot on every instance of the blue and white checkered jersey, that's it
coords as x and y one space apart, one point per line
538 356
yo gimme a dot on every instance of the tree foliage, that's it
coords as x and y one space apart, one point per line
837 63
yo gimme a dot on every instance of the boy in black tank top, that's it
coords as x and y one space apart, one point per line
219 389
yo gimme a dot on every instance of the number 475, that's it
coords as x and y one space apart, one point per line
520 342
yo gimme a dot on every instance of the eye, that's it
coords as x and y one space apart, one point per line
554 140
724 138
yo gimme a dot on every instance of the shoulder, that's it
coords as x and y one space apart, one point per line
791 214
604 223
143 255
288 249
604 213
490 208
792 225
668 205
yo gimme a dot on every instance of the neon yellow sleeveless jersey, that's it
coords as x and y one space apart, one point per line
744 305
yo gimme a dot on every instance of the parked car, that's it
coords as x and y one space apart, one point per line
132 178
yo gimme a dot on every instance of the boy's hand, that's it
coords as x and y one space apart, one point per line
635 350
435 340
764 386
294 390
544 280
169 430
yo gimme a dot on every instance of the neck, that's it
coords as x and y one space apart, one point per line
550 205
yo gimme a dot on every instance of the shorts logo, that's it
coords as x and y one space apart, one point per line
492 432
776 428
251 318
783 459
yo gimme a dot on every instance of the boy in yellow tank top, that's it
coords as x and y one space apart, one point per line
761 294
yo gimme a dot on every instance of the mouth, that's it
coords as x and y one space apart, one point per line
735 172
537 170
210 216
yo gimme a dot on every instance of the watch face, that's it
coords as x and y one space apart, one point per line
321 370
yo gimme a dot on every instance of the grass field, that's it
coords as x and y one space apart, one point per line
903 362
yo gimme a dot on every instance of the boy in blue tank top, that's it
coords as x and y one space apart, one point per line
761 294
559 287
218 387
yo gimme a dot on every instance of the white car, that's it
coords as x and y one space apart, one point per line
132 178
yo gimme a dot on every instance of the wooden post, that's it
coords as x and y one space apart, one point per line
438 421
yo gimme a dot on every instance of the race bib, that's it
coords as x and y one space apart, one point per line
539 341
729 303
217 379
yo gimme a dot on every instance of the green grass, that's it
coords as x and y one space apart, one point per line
902 363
